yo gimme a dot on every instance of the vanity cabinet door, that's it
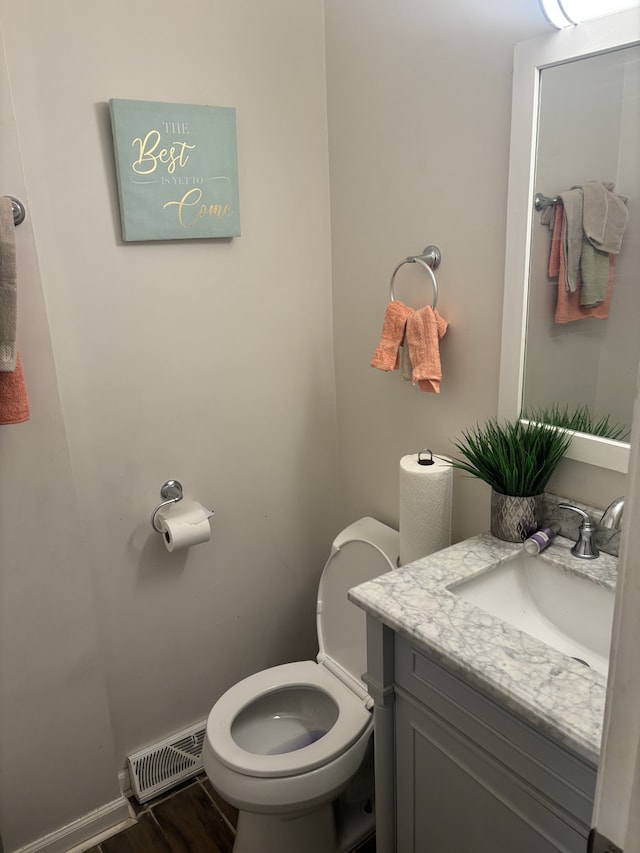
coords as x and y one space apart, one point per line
453 797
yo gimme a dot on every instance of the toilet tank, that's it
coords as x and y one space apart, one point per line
363 551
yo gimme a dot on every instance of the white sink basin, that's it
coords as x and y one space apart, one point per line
571 613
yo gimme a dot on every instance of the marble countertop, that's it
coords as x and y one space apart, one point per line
556 694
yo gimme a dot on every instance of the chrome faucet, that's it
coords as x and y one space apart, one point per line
585 547
612 516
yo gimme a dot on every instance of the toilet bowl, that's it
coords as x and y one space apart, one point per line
285 743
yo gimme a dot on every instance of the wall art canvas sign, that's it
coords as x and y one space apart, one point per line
177 170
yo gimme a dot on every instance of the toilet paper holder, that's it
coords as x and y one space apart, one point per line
171 491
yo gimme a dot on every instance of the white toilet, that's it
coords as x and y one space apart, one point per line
285 744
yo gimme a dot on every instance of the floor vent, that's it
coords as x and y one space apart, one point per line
161 766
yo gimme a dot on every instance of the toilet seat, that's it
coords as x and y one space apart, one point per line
352 720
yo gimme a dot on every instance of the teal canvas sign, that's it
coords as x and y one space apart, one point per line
177 170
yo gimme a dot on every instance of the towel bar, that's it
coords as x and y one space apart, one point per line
19 213
541 201
430 260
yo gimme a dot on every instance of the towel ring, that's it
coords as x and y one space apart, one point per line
430 260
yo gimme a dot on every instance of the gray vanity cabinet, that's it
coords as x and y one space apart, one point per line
470 775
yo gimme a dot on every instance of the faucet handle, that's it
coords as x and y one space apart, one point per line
585 547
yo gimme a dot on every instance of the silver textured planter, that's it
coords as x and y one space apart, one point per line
514 518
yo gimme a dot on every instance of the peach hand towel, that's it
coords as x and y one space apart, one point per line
386 356
14 405
425 327
568 307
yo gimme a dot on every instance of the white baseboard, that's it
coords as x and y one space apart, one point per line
85 832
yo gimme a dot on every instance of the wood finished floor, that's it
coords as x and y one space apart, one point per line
190 819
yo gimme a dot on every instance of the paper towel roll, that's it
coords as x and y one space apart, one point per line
184 524
425 506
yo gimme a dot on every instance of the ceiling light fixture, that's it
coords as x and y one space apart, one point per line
566 13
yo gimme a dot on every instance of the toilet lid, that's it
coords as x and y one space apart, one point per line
341 624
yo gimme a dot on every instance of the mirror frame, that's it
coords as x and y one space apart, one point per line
530 59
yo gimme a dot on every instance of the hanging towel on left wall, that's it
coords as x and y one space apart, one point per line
14 405
8 293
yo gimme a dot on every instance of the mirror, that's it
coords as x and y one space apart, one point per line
558 86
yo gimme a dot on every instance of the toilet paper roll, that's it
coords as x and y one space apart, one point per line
184 524
425 506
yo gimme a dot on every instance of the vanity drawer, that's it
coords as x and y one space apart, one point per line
556 776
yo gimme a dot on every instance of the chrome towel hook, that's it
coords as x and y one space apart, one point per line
430 260
171 491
